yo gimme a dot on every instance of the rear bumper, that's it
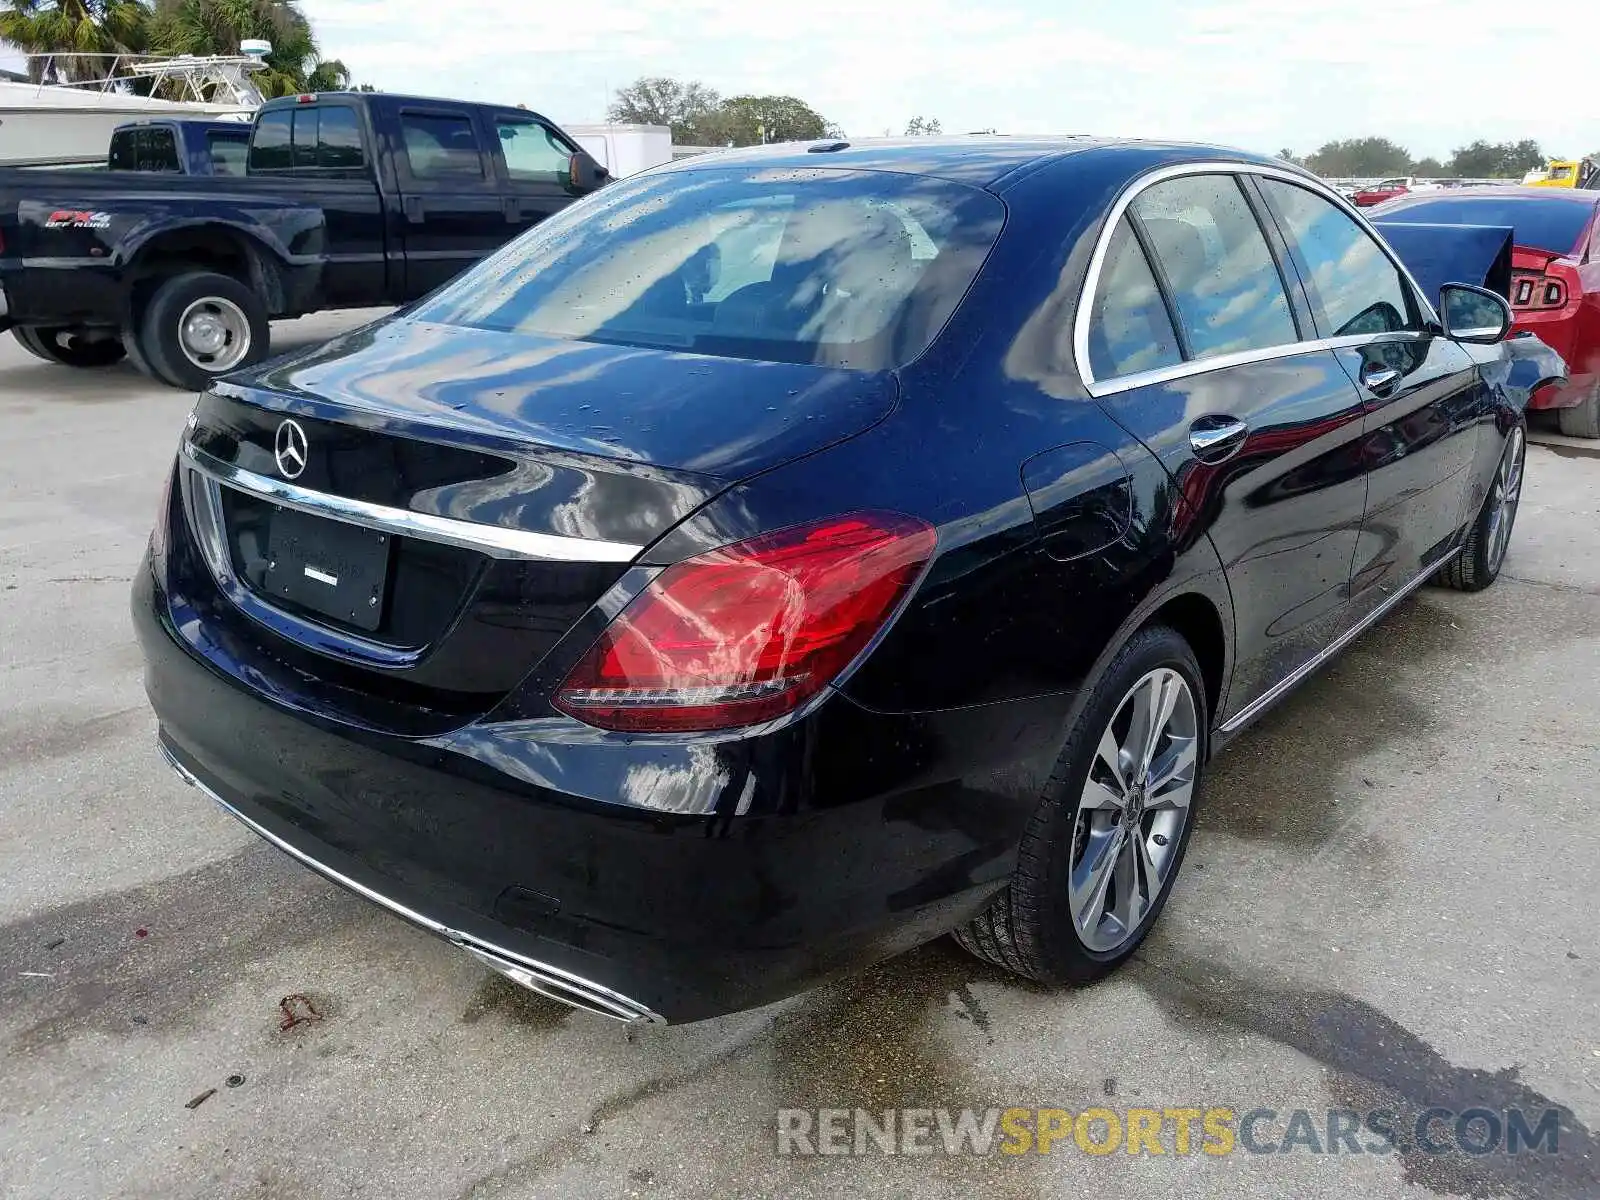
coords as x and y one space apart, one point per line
717 877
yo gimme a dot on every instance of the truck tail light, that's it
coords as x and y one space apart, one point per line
748 632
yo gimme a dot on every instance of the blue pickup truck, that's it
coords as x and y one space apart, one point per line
181 147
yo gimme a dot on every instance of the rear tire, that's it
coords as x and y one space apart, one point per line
1582 420
1484 553
200 326
67 346
1105 803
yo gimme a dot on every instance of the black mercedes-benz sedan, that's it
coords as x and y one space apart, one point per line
786 557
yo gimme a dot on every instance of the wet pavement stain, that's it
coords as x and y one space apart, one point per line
869 1041
253 903
497 995
1376 1064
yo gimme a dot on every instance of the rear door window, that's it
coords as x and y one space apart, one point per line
1353 286
1220 273
845 268
441 145
1130 329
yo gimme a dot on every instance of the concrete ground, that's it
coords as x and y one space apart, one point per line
1389 904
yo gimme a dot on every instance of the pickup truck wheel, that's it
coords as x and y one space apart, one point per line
202 325
69 347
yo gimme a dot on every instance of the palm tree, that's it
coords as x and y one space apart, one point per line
218 26
72 30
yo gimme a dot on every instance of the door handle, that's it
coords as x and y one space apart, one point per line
1376 377
513 208
1214 439
413 209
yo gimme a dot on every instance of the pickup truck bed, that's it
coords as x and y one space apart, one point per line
350 200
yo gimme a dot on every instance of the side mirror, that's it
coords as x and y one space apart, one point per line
584 174
1474 314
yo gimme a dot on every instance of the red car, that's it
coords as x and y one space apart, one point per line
1555 277
1377 193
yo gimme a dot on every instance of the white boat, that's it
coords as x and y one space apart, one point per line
43 124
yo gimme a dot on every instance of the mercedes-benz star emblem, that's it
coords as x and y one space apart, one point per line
289 448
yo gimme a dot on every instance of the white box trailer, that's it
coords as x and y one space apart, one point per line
625 149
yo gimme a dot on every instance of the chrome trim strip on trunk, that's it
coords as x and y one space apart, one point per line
497 541
550 982
1265 701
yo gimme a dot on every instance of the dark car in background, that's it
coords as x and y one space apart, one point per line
180 147
784 558
1555 282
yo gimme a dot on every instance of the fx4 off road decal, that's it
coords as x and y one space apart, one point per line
66 218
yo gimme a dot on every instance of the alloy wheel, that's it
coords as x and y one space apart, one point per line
1504 496
1133 810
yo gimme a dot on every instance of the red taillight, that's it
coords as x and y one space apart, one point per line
748 632
1543 290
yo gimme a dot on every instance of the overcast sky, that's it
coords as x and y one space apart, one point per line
1263 74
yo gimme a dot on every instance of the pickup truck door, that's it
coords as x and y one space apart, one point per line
452 208
535 166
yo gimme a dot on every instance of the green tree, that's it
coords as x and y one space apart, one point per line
688 109
754 120
73 30
1429 168
218 26
923 127
1496 160
1360 156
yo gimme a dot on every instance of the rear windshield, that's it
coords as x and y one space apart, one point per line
1553 225
843 268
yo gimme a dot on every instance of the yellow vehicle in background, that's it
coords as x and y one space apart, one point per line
1562 173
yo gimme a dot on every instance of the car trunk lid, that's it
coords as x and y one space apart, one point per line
419 512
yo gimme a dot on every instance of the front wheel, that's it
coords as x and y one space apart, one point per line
199 326
1100 855
69 347
1484 552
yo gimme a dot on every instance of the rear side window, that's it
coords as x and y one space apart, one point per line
441 144
1222 278
228 153
1353 286
844 268
532 152
1129 327
269 144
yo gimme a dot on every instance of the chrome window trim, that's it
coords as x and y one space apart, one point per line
494 540
1200 366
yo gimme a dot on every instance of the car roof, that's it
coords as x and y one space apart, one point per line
981 160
